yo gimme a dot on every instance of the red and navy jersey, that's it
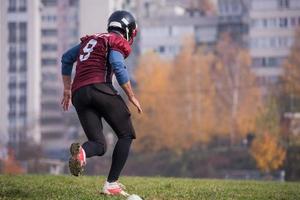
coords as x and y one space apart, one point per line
92 62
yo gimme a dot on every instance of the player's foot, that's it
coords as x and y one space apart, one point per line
114 188
77 160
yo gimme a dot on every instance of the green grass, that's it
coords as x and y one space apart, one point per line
67 187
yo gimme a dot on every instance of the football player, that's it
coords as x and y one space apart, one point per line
98 57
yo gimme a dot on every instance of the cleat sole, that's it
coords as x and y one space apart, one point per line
74 165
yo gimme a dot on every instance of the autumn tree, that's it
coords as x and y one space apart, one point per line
269 118
195 97
193 93
267 152
238 97
11 165
289 103
157 126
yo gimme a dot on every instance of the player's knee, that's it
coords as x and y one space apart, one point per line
127 136
101 150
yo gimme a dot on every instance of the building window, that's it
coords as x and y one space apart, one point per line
267 61
283 3
22 91
49 47
161 49
22 5
293 22
23 107
12 85
12 5
283 22
52 120
49 76
49 18
12 57
22 100
12 114
49 61
50 91
49 32
22 85
170 30
23 32
12 98
73 2
12 32
12 88
12 107
50 106
49 2
23 61
265 23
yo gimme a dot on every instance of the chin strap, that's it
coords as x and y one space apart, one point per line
127 34
134 33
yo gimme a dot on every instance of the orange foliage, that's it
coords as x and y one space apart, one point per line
195 97
11 166
238 97
156 127
268 154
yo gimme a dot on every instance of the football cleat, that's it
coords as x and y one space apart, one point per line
114 188
77 160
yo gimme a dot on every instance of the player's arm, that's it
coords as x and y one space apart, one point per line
116 59
67 61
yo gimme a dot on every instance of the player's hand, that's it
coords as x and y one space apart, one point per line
66 100
136 103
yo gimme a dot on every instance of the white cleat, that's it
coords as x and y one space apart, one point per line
114 188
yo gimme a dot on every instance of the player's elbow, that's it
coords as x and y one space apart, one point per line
121 76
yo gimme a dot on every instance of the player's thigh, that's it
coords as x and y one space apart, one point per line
91 123
118 117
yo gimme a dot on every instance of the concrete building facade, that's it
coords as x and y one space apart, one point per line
20 72
233 19
59 31
166 24
271 34
93 15
265 27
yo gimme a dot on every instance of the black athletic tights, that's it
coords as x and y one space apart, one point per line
93 102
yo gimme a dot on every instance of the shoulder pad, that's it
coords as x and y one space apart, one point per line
120 44
84 38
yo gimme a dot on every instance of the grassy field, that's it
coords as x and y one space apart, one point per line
67 187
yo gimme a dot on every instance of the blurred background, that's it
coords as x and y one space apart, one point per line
218 81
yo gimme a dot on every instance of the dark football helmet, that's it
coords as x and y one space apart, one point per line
123 22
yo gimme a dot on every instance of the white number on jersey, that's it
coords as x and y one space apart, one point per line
87 50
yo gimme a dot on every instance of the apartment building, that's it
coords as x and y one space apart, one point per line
166 24
20 72
59 31
271 34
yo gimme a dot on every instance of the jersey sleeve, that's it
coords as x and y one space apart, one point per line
118 43
68 59
116 60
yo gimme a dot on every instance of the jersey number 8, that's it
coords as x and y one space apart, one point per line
87 50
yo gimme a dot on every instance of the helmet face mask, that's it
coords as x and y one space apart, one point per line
123 22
